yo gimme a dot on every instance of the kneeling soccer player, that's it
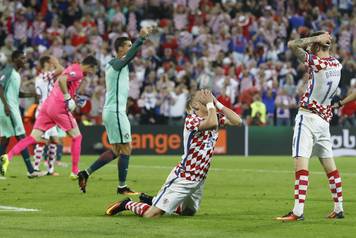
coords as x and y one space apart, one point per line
183 189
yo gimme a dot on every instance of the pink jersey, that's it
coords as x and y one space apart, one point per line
324 78
198 149
74 77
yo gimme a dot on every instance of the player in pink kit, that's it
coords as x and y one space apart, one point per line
56 110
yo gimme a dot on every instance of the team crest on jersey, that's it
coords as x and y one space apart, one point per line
127 135
165 201
72 74
2 77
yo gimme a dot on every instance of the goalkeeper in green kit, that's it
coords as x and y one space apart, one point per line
114 114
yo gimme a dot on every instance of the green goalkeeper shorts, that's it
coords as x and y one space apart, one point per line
11 125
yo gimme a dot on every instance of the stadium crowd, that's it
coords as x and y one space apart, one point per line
238 49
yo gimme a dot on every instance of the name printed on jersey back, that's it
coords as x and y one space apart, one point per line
332 73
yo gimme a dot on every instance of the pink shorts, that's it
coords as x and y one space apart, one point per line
54 116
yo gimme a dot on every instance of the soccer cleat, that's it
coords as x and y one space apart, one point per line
126 191
82 180
73 176
334 215
4 163
52 174
117 207
36 174
290 217
146 198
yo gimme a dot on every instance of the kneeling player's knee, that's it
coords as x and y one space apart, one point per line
153 212
149 215
188 212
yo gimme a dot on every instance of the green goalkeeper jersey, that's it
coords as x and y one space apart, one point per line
117 80
10 80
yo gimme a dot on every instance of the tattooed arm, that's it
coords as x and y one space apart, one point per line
297 46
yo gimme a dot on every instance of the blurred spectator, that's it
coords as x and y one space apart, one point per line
133 111
164 104
347 114
224 98
236 48
258 112
283 104
148 103
178 104
268 98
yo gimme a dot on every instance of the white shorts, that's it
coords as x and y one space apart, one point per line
179 192
311 136
52 132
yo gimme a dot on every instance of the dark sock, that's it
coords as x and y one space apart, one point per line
104 158
59 152
26 156
4 142
146 198
45 153
123 168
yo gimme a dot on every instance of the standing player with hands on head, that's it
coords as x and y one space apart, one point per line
183 189
311 131
56 110
50 69
10 117
116 122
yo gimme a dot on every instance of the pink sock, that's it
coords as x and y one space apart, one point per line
76 147
20 146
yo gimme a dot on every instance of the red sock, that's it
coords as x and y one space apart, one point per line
179 209
139 208
300 191
38 154
336 190
52 149
20 146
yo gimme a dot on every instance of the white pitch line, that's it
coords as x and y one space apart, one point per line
16 209
2 178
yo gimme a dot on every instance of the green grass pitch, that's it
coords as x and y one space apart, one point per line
242 196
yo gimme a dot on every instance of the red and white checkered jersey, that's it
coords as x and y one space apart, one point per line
198 148
44 84
324 78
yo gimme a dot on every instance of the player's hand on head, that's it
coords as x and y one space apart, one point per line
325 38
53 60
209 95
206 96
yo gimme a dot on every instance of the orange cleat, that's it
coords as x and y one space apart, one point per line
117 207
334 215
290 217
